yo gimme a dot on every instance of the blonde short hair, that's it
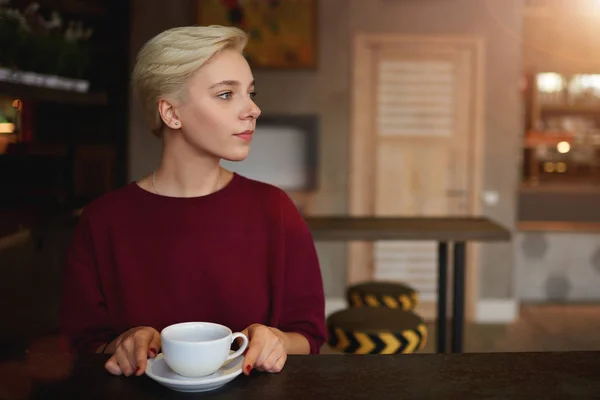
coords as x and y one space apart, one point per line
167 60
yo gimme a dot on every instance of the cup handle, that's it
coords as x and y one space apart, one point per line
242 347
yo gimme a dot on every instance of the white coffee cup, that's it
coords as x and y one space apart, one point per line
197 349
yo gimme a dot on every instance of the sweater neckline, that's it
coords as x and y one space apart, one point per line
221 192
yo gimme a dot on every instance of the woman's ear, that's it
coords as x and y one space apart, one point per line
168 114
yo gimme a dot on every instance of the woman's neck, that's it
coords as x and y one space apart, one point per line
185 174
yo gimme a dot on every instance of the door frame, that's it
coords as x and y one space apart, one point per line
362 165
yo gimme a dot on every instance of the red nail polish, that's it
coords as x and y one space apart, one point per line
245 351
153 351
248 368
138 369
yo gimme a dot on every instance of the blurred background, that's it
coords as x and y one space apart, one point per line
470 108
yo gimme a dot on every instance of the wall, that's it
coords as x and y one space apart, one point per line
558 266
326 91
561 36
149 17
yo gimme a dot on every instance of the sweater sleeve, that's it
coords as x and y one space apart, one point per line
303 308
84 317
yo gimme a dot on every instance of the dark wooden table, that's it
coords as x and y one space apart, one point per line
445 231
570 375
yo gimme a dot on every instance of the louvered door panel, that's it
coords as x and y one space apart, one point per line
416 98
411 262
418 122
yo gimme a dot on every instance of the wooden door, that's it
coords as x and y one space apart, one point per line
415 147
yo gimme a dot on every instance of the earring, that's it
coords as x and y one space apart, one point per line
176 123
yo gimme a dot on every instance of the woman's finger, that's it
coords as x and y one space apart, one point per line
254 350
279 363
270 361
112 366
140 356
128 347
141 349
273 345
264 355
154 344
124 361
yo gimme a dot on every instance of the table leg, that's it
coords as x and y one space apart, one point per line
442 296
458 303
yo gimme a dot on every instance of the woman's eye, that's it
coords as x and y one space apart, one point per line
252 95
225 96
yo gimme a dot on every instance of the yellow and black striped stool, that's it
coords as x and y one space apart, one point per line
369 330
382 294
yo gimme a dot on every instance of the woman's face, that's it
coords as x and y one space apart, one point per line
217 114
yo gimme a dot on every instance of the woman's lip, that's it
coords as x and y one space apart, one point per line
245 136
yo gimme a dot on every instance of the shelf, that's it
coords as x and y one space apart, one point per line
558 226
570 108
37 93
560 188
76 7
47 150
553 204
536 138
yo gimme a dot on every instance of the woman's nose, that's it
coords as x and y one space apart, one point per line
253 111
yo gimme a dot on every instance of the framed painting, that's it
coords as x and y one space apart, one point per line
283 33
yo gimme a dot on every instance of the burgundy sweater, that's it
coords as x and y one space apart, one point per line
239 256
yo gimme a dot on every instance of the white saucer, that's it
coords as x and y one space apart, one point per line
158 370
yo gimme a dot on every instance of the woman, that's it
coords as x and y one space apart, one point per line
192 241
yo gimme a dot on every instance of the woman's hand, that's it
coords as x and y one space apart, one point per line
266 349
131 351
